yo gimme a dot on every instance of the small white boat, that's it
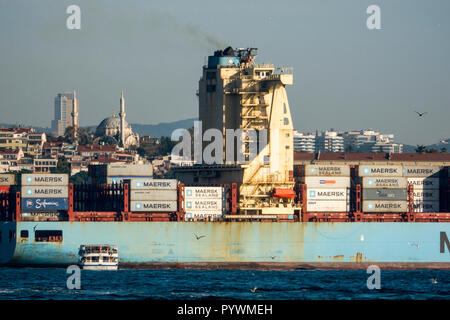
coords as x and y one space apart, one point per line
98 257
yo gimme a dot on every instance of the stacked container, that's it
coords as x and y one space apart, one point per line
117 173
384 188
44 194
153 195
204 202
6 180
426 183
327 188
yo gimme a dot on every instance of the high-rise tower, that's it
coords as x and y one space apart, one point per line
122 115
64 113
75 123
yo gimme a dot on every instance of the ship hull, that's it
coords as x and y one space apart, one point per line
222 244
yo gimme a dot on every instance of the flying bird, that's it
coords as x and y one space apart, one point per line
198 237
254 289
433 280
421 113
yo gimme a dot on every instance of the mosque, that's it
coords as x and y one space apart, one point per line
118 128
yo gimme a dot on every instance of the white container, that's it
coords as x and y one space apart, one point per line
426 206
153 206
44 179
426 195
155 194
380 171
112 180
45 192
136 170
327 206
328 194
424 183
384 182
327 170
385 206
210 205
327 182
7 179
203 192
214 215
157 184
421 171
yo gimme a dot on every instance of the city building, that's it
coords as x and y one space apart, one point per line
66 113
304 142
329 141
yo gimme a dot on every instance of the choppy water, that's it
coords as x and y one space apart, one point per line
50 283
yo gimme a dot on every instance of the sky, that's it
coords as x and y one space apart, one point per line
346 76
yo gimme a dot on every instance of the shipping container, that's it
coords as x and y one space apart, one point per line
214 215
426 206
385 206
385 194
328 194
45 203
153 194
199 192
148 184
153 206
327 206
380 171
426 195
211 205
384 182
135 170
327 170
5 189
7 179
112 180
45 192
43 179
325 182
424 183
422 171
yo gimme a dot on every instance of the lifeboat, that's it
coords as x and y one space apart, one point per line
283 193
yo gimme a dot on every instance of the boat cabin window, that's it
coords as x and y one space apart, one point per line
24 233
94 259
48 236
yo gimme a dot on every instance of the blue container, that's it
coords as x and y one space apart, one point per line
214 61
45 204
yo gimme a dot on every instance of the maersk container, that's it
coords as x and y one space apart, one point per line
7 179
130 170
327 170
380 171
203 214
426 206
148 184
153 206
209 205
426 195
385 194
118 179
384 182
44 179
424 183
199 192
153 194
327 206
327 182
45 192
422 171
328 194
385 206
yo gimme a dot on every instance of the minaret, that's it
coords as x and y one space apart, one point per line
122 115
75 122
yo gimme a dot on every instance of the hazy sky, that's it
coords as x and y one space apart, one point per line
345 76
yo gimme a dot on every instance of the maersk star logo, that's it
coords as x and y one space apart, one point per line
29 179
189 193
29 191
370 182
138 205
312 170
312 193
370 205
189 204
366 170
138 184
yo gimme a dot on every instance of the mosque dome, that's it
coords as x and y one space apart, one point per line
111 127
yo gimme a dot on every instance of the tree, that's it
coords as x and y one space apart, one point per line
166 145
443 150
421 149
63 166
79 178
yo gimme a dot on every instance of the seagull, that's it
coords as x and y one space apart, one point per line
198 237
254 289
273 257
421 113
433 280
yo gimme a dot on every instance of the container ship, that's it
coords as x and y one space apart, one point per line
252 202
